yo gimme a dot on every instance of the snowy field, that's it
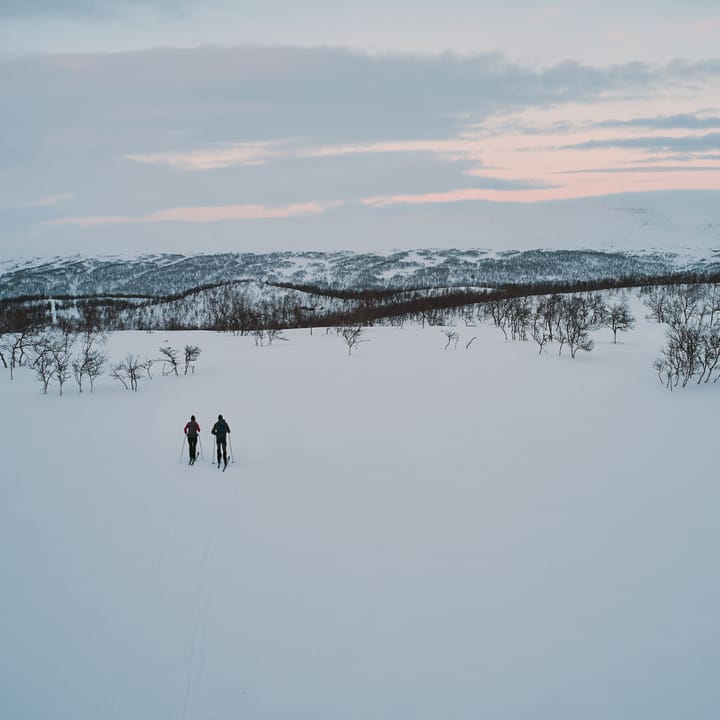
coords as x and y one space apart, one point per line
404 533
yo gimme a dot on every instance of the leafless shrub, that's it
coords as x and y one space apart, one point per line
692 347
42 362
352 336
60 344
90 362
192 353
575 322
169 360
656 302
273 334
451 336
147 366
539 331
619 318
497 311
128 371
17 346
518 312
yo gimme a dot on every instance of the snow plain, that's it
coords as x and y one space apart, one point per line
405 533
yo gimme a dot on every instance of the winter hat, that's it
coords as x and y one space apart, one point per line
192 417
219 417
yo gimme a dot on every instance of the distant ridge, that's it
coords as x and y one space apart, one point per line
156 275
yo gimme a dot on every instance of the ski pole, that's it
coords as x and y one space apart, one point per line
182 449
232 457
202 454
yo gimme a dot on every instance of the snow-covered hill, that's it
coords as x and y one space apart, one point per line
452 244
169 274
404 533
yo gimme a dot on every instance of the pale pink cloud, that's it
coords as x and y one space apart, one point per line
539 145
218 213
530 149
91 220
211 158
458 147
203 214
431 198
518 146
238 154
582 185
48 201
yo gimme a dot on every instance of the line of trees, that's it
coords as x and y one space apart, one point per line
56 354
60 353
565 319
240 307
692 338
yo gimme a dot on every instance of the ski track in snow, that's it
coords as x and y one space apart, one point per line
122 673
201 620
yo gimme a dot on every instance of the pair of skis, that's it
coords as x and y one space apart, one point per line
225 464
192 462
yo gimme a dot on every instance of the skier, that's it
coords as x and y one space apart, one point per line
220 430
191 432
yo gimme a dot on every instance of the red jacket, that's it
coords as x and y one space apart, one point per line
193 427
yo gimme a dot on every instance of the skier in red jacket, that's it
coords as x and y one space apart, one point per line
191 432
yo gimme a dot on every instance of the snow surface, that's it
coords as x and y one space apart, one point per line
405 533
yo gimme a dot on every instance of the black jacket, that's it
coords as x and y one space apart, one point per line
220 429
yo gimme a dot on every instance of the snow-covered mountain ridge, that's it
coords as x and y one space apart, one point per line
166 274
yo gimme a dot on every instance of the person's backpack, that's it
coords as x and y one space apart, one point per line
192 429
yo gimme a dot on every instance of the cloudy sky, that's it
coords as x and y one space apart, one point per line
163 125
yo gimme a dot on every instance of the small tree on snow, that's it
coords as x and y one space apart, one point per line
273 334
497 310
451 336
619 318
169 359
539 332
192 353
352 336
128 371
90 361
575 324
16 345
146 365
94 366
43 363
119 373
61 352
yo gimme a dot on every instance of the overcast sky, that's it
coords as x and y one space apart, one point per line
194 124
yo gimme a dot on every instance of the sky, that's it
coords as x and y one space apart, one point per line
203 125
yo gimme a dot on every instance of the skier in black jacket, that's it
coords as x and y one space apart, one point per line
220 430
